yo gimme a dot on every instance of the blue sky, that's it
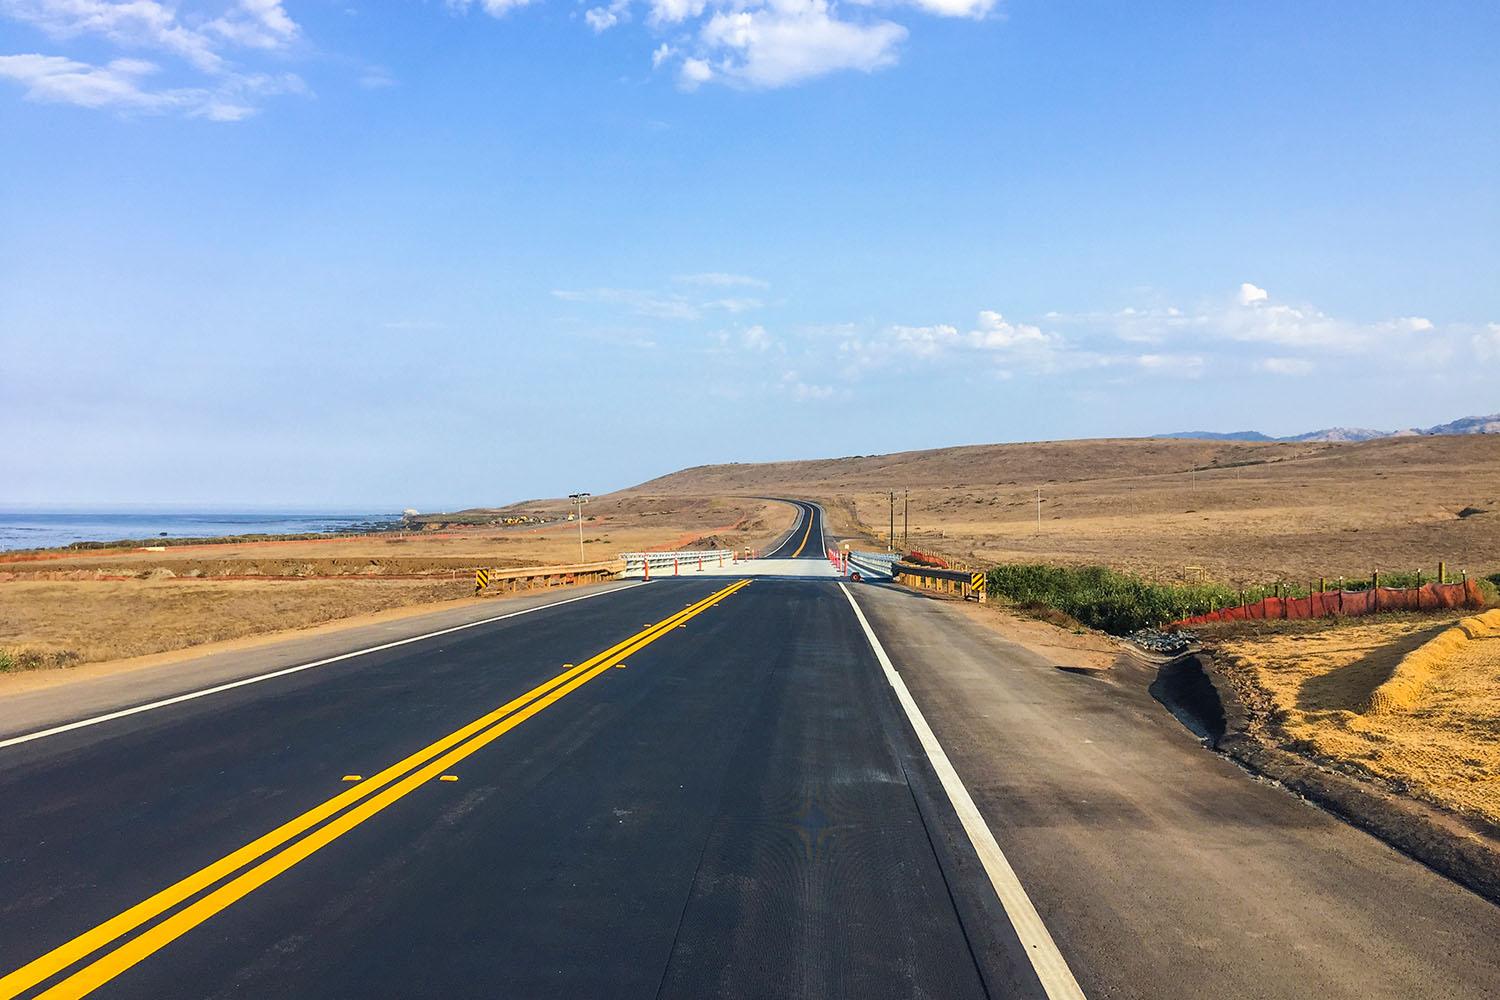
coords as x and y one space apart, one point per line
437 255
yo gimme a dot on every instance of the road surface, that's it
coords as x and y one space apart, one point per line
701 786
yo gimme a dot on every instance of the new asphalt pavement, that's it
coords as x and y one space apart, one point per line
701 786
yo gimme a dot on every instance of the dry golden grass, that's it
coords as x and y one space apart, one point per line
1404 689
610 527
1301 512
62 612
52 624
1307 686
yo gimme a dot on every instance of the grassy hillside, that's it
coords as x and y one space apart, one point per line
1237 512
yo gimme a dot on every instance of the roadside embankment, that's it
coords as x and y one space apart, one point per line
1422 772
1403 689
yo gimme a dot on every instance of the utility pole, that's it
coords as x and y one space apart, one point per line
579 499
1038 510
905 519
891 547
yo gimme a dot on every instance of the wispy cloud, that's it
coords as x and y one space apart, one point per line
672 304
122 84
992 342
376 78
1487 342
203 44
1285 366
790 42
1250 315
1175 365
764 43
720 279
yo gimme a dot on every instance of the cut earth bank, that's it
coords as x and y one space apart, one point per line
1307 704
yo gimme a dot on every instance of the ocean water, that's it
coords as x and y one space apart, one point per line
35 530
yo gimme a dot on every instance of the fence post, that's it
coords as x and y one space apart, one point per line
1442 572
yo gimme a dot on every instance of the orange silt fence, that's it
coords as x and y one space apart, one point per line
1428 597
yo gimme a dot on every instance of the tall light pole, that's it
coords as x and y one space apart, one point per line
579 499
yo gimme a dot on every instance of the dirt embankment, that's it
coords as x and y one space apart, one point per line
1311 690
1301 707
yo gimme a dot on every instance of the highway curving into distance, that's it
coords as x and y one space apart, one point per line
694 787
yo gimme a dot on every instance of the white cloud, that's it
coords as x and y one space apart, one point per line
1176 365
802 391
995 333
223 90
640 303
1285 366
719 279
259 24
662 54
120 85
956 8
734 305
674 11
757 339
694 72
60 80
1251 315
494 8
792 41
659 305
137 24
601 19
1487 342
376 78
995 344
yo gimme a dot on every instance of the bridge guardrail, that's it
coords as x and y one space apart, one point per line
874 564
968 583
503 581
677 562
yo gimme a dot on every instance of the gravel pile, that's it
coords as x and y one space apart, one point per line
1165 643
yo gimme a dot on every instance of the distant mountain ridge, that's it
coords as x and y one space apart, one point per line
1465 425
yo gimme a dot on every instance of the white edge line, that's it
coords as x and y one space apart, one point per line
283 672
1057 979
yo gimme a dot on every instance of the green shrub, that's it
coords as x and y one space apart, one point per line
1105 599
7 662
1120 603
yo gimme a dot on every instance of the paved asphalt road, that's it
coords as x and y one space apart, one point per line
687 788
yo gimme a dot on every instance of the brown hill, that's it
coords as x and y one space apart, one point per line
1239 511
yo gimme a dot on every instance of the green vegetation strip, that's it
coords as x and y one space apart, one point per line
1119 603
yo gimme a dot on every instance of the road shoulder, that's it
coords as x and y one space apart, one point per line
1158 866
37 699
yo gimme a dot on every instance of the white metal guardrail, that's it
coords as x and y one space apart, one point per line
872 565
677 562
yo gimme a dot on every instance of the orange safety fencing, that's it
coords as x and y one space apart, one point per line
1428 597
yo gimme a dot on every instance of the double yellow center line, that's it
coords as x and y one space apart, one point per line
392 784
806 535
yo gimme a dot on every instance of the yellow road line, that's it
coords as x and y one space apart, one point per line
806 536
490 727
